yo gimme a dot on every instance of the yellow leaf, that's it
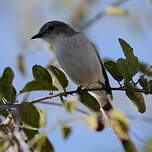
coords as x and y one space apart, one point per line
70 106
20 64
91 121
115 10
120 116
119 122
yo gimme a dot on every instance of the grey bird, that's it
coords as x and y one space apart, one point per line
79 58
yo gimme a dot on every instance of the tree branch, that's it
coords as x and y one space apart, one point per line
86 90
9 106
131 117
102 14
61 105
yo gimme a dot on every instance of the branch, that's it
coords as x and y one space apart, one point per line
10 132
10 106
52 128
86 90
131 117
102 14
61 105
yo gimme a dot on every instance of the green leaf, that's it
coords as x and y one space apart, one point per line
4 113
144 83
30 133
41 74
8 75
131 59
32 116
143 67
136 97
43 144
43 80
116 10
7 90
124 69
89 101
59 75
37 85
127 49
129 146
150 86
66 131
112 68
4 144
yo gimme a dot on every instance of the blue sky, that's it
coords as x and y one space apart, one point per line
135 29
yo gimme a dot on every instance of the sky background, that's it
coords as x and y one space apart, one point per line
20 20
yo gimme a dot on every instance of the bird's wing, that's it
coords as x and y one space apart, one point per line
107 84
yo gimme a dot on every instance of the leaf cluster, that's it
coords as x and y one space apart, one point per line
124 70
33 119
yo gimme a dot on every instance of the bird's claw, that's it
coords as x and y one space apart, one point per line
79 89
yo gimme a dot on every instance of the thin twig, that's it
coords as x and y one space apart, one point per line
52 128
145 119
61 105
102 14
137 137
131 117
85 90
9 106
147 70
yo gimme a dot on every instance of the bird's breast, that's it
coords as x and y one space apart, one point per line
79 60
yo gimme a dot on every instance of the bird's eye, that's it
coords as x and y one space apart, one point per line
50 28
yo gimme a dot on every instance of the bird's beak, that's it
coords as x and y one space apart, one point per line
39 35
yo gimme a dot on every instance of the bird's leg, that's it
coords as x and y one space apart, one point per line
103 85
51 93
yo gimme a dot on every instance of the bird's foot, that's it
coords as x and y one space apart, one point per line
79 89
51 93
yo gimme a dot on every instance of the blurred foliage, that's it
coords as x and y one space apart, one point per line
4 144
43 144
66 131
20 64
115 10
148 147
91 121
69 105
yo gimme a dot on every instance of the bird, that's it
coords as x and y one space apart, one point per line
79 58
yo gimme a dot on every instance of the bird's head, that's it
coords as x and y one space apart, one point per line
54 29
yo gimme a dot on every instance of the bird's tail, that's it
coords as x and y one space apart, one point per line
104 100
